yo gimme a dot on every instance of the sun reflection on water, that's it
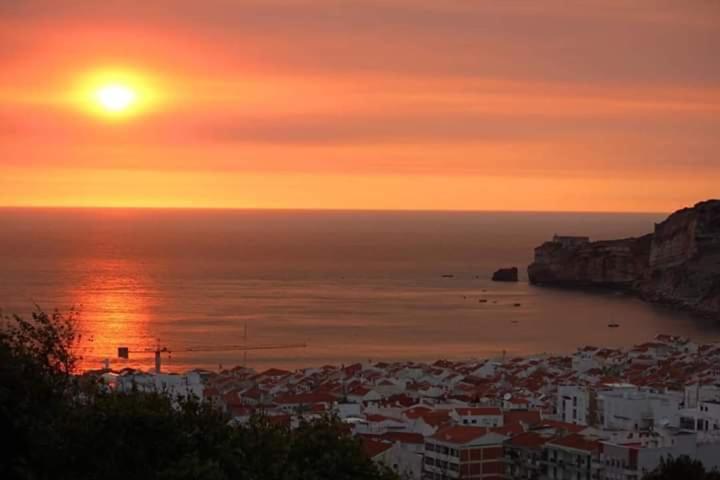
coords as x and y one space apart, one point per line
114 306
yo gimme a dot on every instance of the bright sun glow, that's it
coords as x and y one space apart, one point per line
118 93
116 98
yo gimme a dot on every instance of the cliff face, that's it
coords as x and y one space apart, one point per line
684 263
678 264
613 263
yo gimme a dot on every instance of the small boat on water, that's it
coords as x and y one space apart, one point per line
613 325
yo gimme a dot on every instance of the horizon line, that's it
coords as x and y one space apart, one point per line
323 209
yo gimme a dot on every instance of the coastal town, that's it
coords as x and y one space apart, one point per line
599 413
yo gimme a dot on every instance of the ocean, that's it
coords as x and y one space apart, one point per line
350 285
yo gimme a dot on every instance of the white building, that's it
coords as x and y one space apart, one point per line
573 404
703 418
572 457
478 416
185 385
630 409
464 452
642 452
695 394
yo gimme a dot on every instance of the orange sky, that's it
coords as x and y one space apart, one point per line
399 104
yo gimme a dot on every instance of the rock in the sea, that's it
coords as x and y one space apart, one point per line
678 264
506 275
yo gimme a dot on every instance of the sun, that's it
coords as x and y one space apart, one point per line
118 94
116 98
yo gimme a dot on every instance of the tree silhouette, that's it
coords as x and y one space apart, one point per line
61 428
682 467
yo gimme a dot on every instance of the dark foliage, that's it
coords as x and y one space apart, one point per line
55 427
683 468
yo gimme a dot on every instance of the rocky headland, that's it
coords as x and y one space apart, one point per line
677 264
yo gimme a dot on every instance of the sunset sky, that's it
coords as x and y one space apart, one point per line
374 104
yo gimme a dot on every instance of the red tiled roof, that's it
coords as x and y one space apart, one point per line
401 399
478 411
379 418
577 442
352 369
518 401
254 393
417 412
210 392
360 390
436 418
305 399
374 447
473 380
528 440
404 437
509 430
460 435
274 372
232 398
569 427
528 417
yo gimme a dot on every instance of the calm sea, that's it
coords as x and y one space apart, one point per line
351 285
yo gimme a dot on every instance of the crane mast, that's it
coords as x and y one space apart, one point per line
124 352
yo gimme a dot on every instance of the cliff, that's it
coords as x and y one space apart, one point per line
678 264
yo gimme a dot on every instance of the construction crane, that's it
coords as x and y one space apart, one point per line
124 352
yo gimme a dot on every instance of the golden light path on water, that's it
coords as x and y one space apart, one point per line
114 311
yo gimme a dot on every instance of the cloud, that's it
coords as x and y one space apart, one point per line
597 42
553 90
